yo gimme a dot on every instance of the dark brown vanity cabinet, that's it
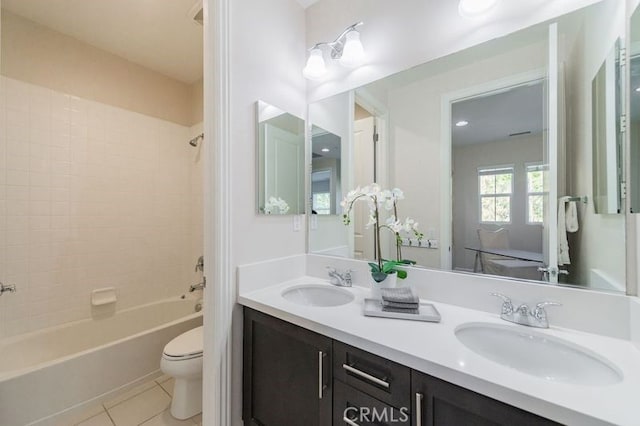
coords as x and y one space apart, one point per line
295 377
439 403
368 389
287 373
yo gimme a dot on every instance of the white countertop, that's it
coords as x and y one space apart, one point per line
432 348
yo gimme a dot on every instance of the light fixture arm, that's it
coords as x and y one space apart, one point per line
337 46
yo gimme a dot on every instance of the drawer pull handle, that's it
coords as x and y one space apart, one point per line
419 398
366 376
320 374
349 421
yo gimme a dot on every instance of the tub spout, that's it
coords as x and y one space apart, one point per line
199 286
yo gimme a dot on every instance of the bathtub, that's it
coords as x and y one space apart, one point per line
49 371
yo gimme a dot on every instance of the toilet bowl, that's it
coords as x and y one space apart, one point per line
182 360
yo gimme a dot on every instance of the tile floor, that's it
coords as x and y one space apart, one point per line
144 405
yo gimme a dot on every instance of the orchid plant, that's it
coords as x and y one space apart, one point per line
379 200
276 205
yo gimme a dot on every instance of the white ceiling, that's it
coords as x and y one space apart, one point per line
157 34
497 116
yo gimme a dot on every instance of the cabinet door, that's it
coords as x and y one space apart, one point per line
287 373
439 403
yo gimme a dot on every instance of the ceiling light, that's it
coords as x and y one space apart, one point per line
637 89
462 123
474 8
316 68
325 150
346 49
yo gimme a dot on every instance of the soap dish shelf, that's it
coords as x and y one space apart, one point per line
103 296
427 312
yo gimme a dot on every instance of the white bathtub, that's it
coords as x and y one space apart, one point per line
52 370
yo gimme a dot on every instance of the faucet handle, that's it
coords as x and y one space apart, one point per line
540 312
507 306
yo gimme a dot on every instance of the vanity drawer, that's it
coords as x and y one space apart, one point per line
385 380
352 407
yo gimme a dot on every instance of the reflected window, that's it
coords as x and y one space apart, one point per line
496 190
322 203
536 193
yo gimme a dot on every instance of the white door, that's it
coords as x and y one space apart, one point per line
363 159
283 163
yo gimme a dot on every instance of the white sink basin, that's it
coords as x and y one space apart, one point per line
317 295
538 354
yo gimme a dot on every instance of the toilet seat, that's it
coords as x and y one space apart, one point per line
186 346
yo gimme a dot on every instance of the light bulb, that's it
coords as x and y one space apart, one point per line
316 68
473 8
353 52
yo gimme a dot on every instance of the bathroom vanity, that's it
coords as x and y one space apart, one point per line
295 376
312 357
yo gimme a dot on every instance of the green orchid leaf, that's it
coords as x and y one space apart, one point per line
374 267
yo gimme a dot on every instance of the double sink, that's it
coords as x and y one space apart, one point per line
534 353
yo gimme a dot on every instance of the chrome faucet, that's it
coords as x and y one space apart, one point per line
11 288
199 286
200 264
340 279
523 314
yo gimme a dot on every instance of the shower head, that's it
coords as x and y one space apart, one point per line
194 141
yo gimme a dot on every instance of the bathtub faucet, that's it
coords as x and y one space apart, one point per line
199 286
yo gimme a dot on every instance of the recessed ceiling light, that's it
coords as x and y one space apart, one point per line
462 123
473 8
325 150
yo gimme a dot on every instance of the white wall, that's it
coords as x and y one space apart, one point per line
517 151
399 35
600 242
91 196
267 54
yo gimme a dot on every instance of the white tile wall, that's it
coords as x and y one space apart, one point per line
91 196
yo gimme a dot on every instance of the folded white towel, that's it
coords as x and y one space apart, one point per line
563 242
572 217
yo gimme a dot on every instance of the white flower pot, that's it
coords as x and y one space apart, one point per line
376 288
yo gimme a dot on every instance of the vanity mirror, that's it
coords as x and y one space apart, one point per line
326 172
280 169
633 117
606 134
492 147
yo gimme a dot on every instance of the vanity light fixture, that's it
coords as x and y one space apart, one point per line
325 150
474 8
346 49
637 89
462 123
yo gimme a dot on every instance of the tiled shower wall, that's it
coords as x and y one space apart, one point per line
91 196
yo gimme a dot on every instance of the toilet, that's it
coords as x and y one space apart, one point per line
182 360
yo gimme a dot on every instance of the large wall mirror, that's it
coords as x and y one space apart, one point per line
280 171
633 117
495 151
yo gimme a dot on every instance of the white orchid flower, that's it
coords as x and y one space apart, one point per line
398 194
395 225
276 205
372 221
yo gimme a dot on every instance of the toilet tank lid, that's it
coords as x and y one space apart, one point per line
188 343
